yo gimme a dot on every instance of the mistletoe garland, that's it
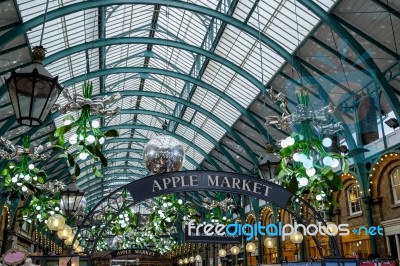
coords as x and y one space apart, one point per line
87 139
166 212
19 179
307 165
40 208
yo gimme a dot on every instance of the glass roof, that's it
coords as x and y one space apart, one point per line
158 52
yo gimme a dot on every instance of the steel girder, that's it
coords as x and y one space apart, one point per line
21 29
183 5
391 97
167 73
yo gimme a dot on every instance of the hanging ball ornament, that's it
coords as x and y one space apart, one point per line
163 154
303 181
327 142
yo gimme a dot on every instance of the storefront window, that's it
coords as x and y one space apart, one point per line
395 176
354 200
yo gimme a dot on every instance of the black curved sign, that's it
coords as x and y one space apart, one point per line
165 183
129 252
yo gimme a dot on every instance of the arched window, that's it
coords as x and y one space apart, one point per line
354 199
395 178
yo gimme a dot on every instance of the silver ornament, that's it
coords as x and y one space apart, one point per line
163 154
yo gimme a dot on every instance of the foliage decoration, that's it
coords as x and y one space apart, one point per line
87 138
166 212
125 223
40 208
308 166
19 179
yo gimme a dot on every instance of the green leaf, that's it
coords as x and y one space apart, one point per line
102 159
96 172
61 140
293 185
7 180
356 151
42 177
345 166
71 159
5 172
111 133
62 130
77 170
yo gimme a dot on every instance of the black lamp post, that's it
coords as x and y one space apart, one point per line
269 163
33 91
71 197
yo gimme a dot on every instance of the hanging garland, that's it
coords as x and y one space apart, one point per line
87 139
308 166
19 179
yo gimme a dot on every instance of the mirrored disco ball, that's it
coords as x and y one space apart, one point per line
163 154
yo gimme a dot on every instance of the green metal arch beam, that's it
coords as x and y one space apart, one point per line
181 76
359 50
293 60
176 75
155 41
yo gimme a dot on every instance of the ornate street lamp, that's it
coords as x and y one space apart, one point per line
296 238
33 90
64 233
270 244
71 198
55 222
269 163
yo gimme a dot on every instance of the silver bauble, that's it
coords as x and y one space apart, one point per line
163 154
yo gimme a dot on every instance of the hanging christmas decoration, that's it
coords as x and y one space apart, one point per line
319 120
88 138
308 166
163 154
14 152
19 179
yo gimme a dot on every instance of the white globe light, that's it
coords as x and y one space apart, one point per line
303 181
35 178
90 139
319 197
296 157
31 167
38 208
73 139
24 189
95 124
67 122
27 177
180 201
335 163
302 157
284 143
307 164
101 140
19 184
311 171
290 141
327 142
83 156
327 161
